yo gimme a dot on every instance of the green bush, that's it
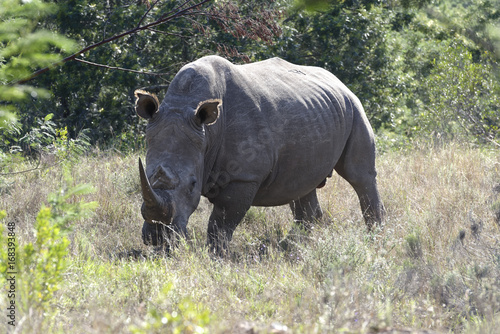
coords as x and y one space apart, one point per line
40 265
44 142
25 48
187 318
463 97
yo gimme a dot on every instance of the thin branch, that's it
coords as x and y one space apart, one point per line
492 141
113 38
21 172
147 12
38 167
167 33
155 88
118 68
177 8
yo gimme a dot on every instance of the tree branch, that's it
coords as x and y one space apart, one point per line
162 20
466 32
492 141
177 8
147 12
38 167
167 33
118 68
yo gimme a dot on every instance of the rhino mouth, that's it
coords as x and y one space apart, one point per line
162 215
157 207
154 234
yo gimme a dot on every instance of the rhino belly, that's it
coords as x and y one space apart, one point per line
294 177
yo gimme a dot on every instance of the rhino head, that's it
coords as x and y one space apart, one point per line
172 182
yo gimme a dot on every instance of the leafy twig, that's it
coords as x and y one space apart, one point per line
162 20
150 7
167 33
177 8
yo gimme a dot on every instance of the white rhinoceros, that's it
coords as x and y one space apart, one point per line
262 134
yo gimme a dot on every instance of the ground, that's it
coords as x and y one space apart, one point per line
433 268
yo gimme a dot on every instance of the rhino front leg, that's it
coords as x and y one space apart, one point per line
230 208
306 210
221 228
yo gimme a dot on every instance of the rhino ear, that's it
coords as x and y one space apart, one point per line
146 104
208 111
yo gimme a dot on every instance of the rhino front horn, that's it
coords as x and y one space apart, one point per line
148 194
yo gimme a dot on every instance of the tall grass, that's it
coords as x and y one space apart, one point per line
434 266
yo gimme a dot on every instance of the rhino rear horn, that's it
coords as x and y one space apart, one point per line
149 196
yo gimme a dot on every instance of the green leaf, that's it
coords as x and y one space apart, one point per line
48 117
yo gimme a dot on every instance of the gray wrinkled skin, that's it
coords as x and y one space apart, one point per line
262 134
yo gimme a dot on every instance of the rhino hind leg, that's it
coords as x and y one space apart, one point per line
306 210
365 186
357 166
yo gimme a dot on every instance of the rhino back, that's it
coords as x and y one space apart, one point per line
283 126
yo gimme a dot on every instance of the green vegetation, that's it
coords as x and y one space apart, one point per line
427 74
435 266
24 48
38 267
396 56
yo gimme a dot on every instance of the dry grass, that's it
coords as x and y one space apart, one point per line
435 267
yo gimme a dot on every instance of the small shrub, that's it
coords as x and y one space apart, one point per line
463 97
187 318
40 265
43 142
414 245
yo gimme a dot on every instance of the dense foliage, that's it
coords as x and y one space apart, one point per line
23 48
399 57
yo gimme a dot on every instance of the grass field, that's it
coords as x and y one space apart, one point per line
434 268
